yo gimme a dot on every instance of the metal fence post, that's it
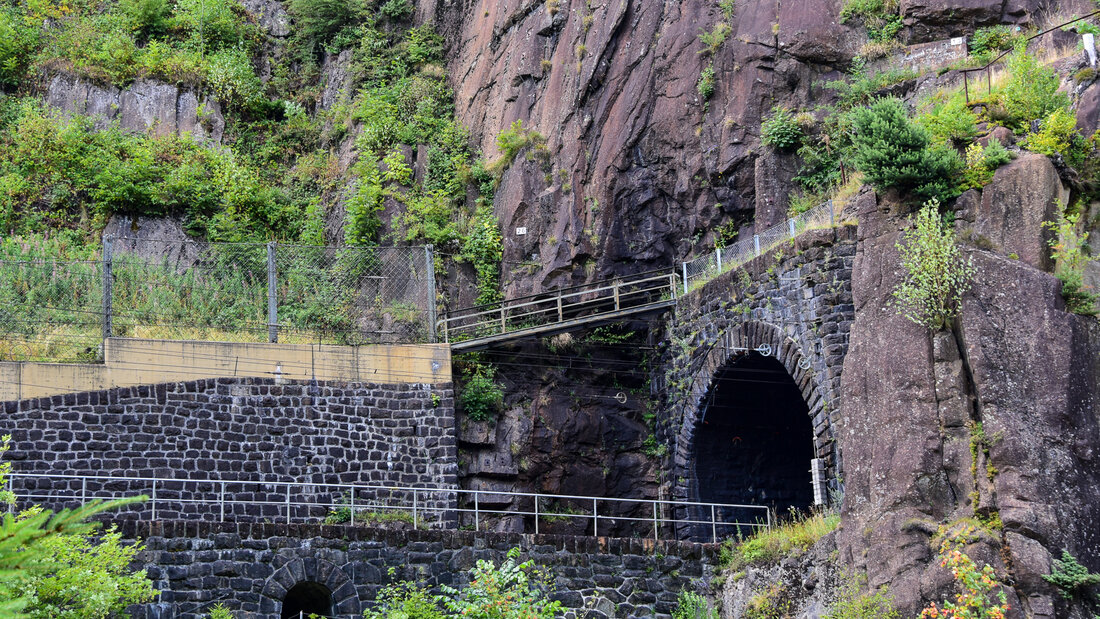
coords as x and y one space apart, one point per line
655 538
756 243
414 508
221 503
536 514
615 287
477 514
288 503
83 490
685 278
429 264
791 225
108 281
272 301
832 214
352 506
595 519
154 501
718 258
713 526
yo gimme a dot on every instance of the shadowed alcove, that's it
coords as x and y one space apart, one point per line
307 598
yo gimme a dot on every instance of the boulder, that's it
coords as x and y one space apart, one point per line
1023 195
160 240
1088 110
775 172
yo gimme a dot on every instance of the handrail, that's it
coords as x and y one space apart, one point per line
988 66
279 494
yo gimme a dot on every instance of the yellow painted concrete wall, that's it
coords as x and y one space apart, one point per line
139 362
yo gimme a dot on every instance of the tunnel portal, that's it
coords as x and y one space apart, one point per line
754 442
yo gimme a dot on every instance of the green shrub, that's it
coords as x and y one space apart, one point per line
728 7
855 605
981 163
510 590
1068 251
364 203
866 8
986 42
861 88
404 600
147 18
936 276
482 398
1084 75
1030 91
691 605
981 595
1058 136
950 119
1071 578
396 10
219 611
707 82
894 152
714 39
18 41
781 131
484 249
775 602
318 22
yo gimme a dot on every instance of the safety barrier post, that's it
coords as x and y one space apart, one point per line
288 503
756 243
791 226
536 514
272 301
718 258
429 266
221 504
832 215
414 508
476 512
154 500
685 265
108 280
713 526
352 506
655 521
595 519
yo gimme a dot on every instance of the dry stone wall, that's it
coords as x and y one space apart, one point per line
310 435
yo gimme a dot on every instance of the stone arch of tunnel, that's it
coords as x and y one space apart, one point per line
310 585
754 424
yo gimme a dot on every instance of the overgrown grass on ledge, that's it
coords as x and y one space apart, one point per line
772 545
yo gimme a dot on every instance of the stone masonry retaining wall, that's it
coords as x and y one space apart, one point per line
239 429
798 300
250 567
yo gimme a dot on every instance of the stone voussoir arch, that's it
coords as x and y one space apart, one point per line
345 598
735 341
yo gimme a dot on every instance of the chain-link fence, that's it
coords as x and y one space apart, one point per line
53 310
704 268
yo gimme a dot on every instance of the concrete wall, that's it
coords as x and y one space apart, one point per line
130 362
249 568
306 434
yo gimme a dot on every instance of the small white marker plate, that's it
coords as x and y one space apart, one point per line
521 231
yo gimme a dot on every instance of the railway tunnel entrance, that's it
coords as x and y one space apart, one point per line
754 440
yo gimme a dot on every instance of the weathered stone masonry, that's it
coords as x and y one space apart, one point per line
796 299
241 429
250 567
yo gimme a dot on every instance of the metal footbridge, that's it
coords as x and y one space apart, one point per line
558 311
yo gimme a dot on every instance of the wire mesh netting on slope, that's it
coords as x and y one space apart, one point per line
59 310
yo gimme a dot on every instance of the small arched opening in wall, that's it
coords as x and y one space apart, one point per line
306 599
756 427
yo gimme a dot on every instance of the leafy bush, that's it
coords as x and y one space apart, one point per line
987 42
219 611
894 152
147 18
707 82
320 21
781 131
775 602
404 600
510 591
1068 251
396 10
950 119
981 163
855 605
714 39
1071 578
482 398
484 249
935 274
1030 92
728 7
691 605
981 595
1058 136
861 88
17 43
364 203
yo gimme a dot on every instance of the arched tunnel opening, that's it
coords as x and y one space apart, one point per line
754 441
306 598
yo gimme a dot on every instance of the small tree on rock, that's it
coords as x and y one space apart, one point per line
936 276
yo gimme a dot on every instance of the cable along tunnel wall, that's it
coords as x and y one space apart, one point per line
794 304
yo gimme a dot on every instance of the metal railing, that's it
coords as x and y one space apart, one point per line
704 268
222 500
627 294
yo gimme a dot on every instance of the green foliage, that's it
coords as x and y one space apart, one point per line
481 398
936 276
484 249
981 595
771 545
862 87
714 39
707 82
1058 136
894 152
781 130
772 603
396 9
511 590
1030 91
514 140
219 611
1071 578
147 18
50 565
950 119
1067 248
880 17
728 7
691 605
18 40
364 203
981 163
987 42
319 22
852 604
404 600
